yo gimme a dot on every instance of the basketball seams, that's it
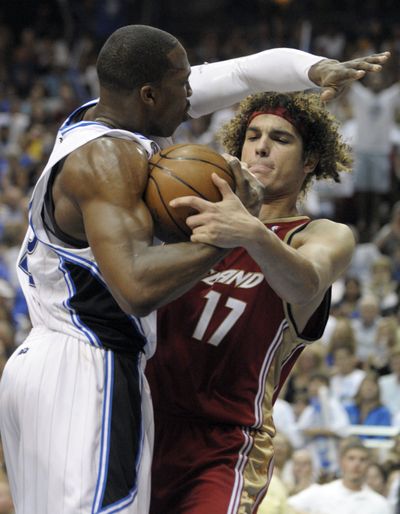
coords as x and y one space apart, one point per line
177 171
197 159
166 154
166 207
169 172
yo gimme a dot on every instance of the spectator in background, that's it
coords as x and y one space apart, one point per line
347 495
364 255
386 339
283 451
387 238
339 331
7 335
348 305
346 378
366 329
303 471
373 105
285 422
309 362
275 501
367 408
322 423
382 285
390 384
376 478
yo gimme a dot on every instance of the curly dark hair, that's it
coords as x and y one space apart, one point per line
319 131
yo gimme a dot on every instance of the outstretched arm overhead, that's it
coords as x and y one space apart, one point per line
222 84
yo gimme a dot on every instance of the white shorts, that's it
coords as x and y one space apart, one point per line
77 428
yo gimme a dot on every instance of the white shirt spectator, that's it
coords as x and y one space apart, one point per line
366 335
330 415
334 498
375 117
345 387
389 386
285 422
360 266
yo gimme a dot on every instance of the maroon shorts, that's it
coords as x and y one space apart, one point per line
201 468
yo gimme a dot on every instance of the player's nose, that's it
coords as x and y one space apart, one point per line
263 146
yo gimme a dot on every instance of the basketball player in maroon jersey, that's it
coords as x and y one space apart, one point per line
226 347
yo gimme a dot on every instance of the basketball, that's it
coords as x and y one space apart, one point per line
182 170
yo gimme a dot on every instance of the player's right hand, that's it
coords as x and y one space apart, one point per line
248 188
334 76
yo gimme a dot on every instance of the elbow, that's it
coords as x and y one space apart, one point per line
136 302
139 309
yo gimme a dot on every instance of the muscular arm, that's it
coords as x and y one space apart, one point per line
98 197
300 274
303 272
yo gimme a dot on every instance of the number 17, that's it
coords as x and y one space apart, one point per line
237 307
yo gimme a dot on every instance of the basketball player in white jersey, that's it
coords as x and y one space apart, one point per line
75 413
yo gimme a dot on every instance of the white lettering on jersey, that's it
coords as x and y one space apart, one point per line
239 278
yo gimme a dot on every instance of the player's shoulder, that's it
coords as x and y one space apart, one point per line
108 148
104 160
329 230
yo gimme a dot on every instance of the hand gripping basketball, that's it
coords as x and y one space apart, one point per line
182 170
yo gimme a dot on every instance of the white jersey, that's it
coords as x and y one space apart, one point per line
76 418
63 285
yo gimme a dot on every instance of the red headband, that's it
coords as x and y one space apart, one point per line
277 111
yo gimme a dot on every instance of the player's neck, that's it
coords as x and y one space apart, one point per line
282 208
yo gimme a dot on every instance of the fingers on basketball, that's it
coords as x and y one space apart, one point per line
182 170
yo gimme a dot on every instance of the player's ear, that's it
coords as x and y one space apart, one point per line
310 163
148 94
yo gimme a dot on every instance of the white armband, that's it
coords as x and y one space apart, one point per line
222 84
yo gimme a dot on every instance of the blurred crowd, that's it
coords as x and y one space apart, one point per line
352 376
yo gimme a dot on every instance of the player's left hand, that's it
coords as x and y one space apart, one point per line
334 76
248 188
226 224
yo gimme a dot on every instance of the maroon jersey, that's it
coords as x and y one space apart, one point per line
221 354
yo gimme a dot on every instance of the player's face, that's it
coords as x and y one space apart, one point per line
273 150
173 95
354 465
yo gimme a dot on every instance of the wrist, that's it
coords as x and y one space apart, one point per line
257 237
316 71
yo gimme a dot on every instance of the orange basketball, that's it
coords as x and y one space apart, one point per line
182 170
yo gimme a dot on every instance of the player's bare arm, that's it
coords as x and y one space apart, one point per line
318 256
98 198
333 76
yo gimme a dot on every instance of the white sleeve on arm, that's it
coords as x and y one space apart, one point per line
222 84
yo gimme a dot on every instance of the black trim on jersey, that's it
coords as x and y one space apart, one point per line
315 326
100 313
297 230
48 218
125 433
